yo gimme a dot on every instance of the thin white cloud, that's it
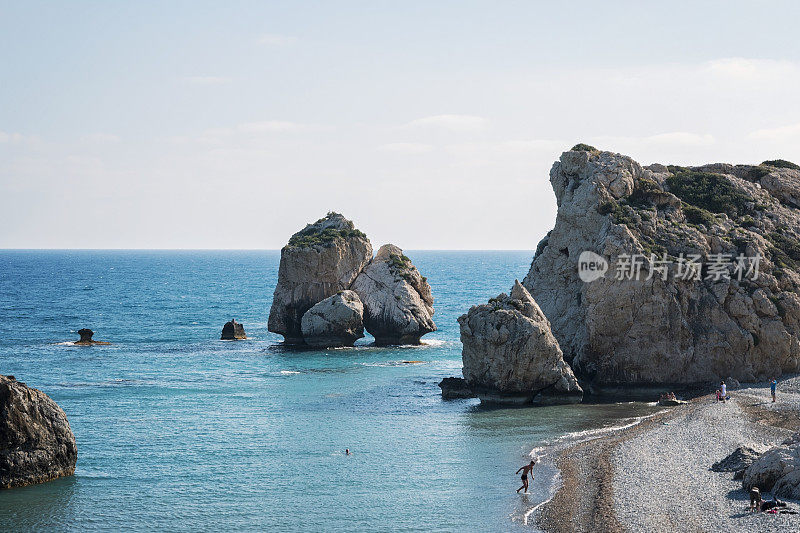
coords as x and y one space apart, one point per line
207 80
674 138
13 137
406 148
274 39
100 138
781 133
275 126
744 69
464 123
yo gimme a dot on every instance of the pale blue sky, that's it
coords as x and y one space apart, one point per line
431 124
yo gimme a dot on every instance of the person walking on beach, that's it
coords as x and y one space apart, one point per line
773 387
527 469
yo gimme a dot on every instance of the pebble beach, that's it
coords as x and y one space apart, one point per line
656 476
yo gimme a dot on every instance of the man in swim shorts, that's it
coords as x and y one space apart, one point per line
527 469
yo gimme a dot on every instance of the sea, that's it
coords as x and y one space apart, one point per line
180 431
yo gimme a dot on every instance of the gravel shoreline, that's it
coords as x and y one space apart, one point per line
656 476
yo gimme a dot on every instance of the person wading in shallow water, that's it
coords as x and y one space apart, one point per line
525 471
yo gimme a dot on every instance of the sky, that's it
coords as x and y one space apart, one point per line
432 125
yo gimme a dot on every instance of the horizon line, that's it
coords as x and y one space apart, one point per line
241 249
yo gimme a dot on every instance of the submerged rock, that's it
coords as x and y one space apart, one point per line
335 321
319 261
510 354
668 402
455 389
776 471
36 442
233 331
86 338
660 326
398 303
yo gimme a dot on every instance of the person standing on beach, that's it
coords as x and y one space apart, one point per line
773 387
527 469
723 391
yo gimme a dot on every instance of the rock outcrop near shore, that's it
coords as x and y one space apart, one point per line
777 470
335 321
455 389
233 331
398 303
510 354
330 256
320 260
36 442
643 320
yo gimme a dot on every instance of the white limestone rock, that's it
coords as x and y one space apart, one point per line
510 355
776 471
335 321
319 261
398 303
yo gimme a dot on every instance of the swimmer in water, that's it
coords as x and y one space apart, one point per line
527 469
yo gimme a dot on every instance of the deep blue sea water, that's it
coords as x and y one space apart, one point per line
180 431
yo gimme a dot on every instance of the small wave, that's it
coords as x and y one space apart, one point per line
288 372
433 342
575 437
386 364
65 343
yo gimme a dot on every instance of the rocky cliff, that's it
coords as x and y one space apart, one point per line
695 276
36 442
320 260
398 304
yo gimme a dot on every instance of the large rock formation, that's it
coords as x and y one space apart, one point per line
36 442
335 321
398 304
233 331
664 326
510 354
319 261
777 470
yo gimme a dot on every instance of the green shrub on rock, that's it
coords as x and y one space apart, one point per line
712 192
580 147
782 163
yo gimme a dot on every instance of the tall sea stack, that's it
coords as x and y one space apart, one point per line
319 261
330 288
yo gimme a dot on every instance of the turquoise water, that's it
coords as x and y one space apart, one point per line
180 431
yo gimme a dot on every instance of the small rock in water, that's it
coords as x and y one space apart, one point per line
455 389
86 338
233 331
